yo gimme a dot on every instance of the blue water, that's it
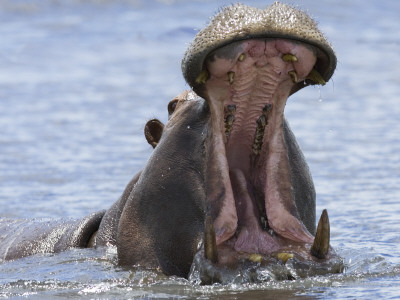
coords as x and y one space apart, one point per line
78 81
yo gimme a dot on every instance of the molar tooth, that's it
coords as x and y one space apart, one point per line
316 77
293 76
210 241
231 77
228 124
267 108
229 120
203 77
320 246
231 108
262 121
289 57
242 57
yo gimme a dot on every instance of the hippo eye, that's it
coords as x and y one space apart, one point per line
171 106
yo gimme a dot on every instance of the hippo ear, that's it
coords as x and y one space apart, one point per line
153 131
172 106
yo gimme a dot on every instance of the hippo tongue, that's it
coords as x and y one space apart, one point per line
246 85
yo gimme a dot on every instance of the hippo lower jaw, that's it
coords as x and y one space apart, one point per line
251 202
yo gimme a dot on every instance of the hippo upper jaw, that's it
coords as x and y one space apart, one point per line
252 201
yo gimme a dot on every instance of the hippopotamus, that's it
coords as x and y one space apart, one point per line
226 187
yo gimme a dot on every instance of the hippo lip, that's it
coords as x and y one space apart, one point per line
247 85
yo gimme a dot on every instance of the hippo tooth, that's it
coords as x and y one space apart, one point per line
231 108
289 57
320 246
228 124
231 77
254 257
267 109
242 57
284 256
203 77
316 77
210 241
262 121
293 76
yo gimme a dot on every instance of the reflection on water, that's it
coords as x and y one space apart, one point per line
78 80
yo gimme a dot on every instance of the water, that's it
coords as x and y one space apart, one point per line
78 81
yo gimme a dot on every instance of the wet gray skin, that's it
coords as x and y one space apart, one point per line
226 191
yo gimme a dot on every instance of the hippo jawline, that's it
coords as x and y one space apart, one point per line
251 200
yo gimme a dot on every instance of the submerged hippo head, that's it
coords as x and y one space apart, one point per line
227 169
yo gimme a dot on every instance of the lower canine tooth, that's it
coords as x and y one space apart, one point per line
210 241
320 246
293 76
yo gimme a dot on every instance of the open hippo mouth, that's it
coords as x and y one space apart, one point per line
249 83
246 64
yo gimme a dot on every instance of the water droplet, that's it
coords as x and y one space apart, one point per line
188 127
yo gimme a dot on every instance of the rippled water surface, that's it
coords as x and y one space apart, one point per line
78 81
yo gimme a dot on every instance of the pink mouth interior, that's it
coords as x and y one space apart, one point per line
256 183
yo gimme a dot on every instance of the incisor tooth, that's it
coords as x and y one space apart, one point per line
203 77
255 257
284 256
293 76
231 77
320 246
316 77
242 57
289 57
